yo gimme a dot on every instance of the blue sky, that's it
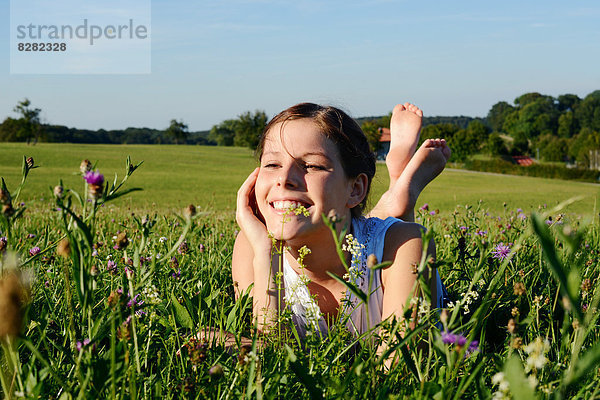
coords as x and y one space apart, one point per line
213 60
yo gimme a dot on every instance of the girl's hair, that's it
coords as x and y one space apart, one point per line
355 153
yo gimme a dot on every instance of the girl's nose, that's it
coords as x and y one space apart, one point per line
289 177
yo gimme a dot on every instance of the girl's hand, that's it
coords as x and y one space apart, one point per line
246 216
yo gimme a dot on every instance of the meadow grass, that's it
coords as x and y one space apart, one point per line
106 317
174 176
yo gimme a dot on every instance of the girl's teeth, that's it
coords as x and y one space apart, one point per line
285 205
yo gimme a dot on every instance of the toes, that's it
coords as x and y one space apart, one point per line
398 108
419 112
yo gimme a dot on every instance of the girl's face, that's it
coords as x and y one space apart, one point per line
301 167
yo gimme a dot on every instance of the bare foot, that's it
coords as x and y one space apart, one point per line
427 163
405 126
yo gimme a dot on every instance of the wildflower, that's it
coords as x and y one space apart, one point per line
433 212
519 289
34 251
459 341
515 312
522 216
11 304
85 166
58 191
201 248
111 267
333 217
121 241
501 252
586 286
162 239
81 345
95 181
196 350
183 248
536 351
124 330
3 243
424 207
174 262
189 211
113 299
503 387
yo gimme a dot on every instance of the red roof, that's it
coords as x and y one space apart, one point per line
523 161
385 135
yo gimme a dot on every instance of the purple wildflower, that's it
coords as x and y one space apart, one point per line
473 346
432 212
522 216
111 267
34 251
183 248
30 236
94 178
201 248
519 210
501 252
174 262
448 337
464 228
548 222
424 207
176 274
81 345
481 233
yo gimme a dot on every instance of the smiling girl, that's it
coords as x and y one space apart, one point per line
317 159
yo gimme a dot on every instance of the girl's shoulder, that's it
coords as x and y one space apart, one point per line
383 237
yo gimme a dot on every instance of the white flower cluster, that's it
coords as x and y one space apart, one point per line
299 299
151 295
354 247
464 302
536 350
503 392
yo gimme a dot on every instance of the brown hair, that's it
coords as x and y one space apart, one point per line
355 153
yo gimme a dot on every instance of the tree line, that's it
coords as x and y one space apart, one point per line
29 128
565 128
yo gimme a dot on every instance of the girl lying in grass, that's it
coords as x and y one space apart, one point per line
316 160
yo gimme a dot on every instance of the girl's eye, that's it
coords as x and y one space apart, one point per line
270 165
315 167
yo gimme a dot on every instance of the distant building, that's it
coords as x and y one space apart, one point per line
523 161
384 143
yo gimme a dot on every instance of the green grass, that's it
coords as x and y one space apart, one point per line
174 176
141 315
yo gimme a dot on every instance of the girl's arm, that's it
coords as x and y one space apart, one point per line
252 261
403 247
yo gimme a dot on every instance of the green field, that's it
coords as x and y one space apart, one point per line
174 176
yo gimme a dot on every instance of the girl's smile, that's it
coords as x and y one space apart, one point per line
300 168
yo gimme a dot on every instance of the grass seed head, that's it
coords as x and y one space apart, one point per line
85 166
64 248
12 293
5 197
519 289
122 241
58 191
190 211
512 326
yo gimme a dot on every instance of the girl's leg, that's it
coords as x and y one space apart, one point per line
400 199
